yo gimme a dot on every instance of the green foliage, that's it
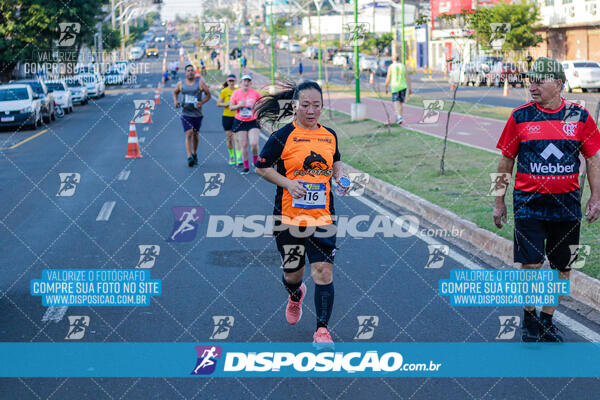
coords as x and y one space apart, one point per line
111 38
28 27
376 44
522 18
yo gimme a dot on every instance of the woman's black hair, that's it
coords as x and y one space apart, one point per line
267 109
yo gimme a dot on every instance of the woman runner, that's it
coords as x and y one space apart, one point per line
244 126
235 156
306 156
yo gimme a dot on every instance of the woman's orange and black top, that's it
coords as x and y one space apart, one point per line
300 153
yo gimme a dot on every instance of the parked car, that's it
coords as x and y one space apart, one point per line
152 52
123 66
19 106
582 75
311 52
382 66
367 63
504 71
476 71
342 59
78 90
329 53
159 39
295 48
135 53
254 41
85 69
113 76
62 94
94 84
282 44
46 98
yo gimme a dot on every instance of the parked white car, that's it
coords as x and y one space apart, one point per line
62 94
19 106
367 63
94 84
582 75
79 91
341 59
254 41
136 53
295 48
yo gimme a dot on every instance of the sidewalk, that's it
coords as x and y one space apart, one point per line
478 132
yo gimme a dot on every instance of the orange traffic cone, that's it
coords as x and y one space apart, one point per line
371 79
505 91
314 67
452 87
156 97
133 147
147 119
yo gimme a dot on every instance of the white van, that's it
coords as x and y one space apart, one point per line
135 53
19 105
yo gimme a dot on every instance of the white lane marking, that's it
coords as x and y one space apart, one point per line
463 133
124 175
146 128
142 139
149 85
129 94
563 319
105 211
146 93
54 314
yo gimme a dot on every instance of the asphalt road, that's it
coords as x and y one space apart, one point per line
229 276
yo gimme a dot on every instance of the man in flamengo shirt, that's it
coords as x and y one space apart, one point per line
546 137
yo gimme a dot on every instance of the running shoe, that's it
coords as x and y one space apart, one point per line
245 171
195 157
322 339
530 331
191 161
293 311
240 162
549 332
399 120
231 161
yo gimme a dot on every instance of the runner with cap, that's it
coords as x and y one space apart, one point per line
242 101
546 136
235 154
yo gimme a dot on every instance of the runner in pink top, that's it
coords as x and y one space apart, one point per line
242 101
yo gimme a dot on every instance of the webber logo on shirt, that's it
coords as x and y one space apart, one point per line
314 164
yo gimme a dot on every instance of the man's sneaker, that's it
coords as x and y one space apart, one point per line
293 311
195 157
191 161
549 332
399 120
322 339
240 162
530 329
245 171
231 161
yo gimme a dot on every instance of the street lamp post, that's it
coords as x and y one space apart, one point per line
318 4
272 45
356 63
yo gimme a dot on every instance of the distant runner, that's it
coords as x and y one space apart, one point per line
397 78
235 153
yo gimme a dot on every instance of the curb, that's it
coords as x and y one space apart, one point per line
584 288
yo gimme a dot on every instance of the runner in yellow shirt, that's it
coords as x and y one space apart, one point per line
235 154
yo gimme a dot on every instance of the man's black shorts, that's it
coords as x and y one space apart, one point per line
244 125
227 122
399 96
561 239
316 242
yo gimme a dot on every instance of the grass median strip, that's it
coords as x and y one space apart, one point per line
411 161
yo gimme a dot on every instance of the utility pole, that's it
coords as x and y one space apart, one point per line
272 45
356 65
123 57
318 4
112 19
403 41
342 31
